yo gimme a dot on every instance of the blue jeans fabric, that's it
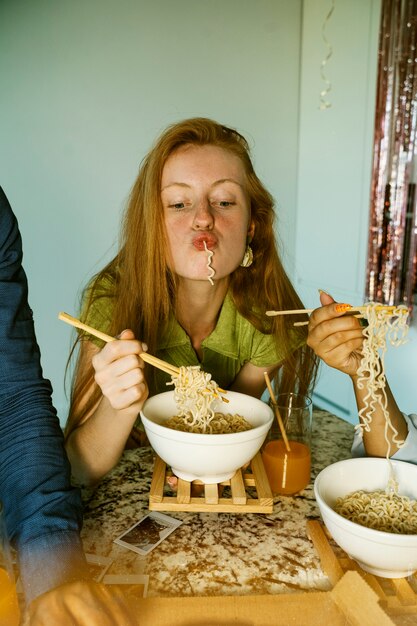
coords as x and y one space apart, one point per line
43 511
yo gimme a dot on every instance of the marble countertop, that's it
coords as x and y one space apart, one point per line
215 553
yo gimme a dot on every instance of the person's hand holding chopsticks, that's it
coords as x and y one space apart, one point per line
96 444
335 337
119 372
338 340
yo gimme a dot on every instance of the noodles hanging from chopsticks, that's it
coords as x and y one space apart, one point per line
383 327
383 510
196 396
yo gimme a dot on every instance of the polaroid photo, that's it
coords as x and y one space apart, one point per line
134 585
148 532
97 566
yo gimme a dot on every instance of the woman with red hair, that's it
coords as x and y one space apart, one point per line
198 267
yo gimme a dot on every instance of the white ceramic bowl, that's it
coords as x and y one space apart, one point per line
385 554
209 458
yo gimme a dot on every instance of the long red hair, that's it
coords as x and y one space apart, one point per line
144 288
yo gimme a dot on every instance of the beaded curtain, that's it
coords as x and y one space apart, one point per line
392 246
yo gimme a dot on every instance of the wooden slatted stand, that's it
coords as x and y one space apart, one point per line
397 596
249 492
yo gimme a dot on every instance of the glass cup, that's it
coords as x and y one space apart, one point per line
288 467
9 606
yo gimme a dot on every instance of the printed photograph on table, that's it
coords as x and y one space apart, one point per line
148 532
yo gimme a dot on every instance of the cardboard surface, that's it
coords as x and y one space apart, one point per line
343 606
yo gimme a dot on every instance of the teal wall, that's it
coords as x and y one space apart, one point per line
86 85
334 181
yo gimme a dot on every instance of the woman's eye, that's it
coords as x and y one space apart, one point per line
225 203
177 205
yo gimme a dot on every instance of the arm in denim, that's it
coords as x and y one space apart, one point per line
43 511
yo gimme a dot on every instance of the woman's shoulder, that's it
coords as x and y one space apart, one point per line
98 301
102 284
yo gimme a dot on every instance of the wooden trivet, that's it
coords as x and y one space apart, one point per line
241 500
397 596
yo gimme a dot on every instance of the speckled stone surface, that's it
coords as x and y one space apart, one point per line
215 553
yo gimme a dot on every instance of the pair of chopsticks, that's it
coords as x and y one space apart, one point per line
148 358
353 310
379 307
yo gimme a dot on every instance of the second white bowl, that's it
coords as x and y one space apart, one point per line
389 555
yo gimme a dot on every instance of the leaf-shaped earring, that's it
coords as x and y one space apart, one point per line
248 257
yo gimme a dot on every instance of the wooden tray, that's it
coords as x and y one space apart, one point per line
397 596
248 491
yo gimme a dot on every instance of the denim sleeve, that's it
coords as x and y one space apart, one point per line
408 452
43 511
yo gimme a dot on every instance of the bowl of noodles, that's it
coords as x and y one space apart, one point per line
234 435
369 506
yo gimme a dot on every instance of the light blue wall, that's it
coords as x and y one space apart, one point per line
334 181
86 85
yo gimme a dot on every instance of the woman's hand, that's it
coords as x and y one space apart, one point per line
119 372
335 337
96 444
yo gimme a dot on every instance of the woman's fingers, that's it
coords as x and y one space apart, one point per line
333 311
336 336
119 371
325 298
334 328
115 350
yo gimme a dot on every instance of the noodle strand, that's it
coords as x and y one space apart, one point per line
384 510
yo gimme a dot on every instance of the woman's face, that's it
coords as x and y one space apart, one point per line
205 202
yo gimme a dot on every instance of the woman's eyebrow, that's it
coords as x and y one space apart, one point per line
216 182
226 180
176 185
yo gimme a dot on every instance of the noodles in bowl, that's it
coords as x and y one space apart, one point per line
220 424
388 512
389 552
211 458
196 396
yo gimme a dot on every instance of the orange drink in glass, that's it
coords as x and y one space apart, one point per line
289 470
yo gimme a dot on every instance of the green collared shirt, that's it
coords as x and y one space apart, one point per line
233 342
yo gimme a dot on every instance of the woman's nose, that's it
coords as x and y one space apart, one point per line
203 219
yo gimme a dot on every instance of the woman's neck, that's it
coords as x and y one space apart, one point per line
198 308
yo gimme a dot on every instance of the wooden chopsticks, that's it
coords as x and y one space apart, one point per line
148 358
357 311
361 309
276 411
